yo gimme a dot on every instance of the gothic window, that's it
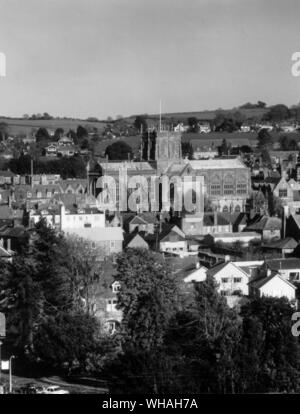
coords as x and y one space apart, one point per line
215 189
241 188
225 209
228 185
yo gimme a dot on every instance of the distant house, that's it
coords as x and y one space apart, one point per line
106 308
51 149
8 177
268 227
172 240
196 273
245 128
135 241
283 247
143 222
230 238
204 128
288 268
273 285
181 127
216 223
67 151
232 281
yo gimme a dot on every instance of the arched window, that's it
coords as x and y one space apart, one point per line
225 209
237 209
228 186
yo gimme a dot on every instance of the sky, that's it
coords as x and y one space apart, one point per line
100 58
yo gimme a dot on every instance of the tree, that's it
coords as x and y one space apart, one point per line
119 150
287 143
193 124
147 298
81 132
42 134
264 139
268 356
44 293
59 132
278 113
140 123
64 341
204 336
224 149
187 150
4 130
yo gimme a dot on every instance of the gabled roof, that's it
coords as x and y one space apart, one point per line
137 220
208 219
216 269
263 281
287 243
134 236
235 218
278 264
266 223
171 232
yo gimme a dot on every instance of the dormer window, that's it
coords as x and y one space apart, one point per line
116 287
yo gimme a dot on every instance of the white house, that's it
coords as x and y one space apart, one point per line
197 274
231 279
273 285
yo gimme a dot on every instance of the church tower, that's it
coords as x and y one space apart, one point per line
167 149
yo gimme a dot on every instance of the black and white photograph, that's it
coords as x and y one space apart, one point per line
149 200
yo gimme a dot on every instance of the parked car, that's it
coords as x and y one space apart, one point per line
30 388
55 389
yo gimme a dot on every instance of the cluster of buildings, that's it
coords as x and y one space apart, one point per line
232 237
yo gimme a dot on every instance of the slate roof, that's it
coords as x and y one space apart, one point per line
266 223
258 283
288 263
287 243
208 219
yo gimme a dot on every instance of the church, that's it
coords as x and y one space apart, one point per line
226 181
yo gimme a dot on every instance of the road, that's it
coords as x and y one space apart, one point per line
46 381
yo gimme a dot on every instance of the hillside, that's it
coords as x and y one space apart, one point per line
18 126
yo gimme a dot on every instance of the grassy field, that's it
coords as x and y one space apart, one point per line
18 126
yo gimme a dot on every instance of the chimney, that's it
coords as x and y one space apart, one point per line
8 244
197 265
227 258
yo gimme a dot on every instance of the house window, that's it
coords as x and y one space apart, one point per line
215 189
224 280
241 188
111 305
237 279
29 195
283 193
87 225
224 293
112 244
39 194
